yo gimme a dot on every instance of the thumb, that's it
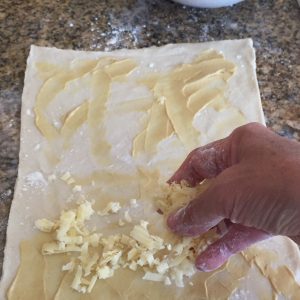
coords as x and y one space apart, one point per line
204 162
235 240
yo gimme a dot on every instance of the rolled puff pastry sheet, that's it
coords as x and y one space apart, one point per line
111 118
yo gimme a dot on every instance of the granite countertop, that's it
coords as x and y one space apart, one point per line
274 26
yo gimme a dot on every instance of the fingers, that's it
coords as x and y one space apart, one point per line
235 240
186 221
211 207
204 162
197 217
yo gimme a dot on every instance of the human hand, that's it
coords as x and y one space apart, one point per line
256 186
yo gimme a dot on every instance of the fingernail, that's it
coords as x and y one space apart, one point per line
202 267
207 266
211 259
203 262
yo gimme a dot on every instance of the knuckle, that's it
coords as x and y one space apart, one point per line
195 153
242 134
248 129
191 156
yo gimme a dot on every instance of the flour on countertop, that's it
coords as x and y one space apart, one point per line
36 179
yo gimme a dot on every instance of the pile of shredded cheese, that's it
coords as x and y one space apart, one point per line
96 257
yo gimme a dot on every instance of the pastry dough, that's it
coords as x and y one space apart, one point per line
114 126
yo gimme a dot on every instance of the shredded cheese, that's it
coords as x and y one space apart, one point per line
121 223
105 272
97 257
127 217
77 188
69 266
153 276
92 283
112 207
133 203
44 225
77 279
66 176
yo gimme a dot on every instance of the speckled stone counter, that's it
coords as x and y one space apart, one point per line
274 26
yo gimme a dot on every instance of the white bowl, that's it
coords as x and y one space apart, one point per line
208 3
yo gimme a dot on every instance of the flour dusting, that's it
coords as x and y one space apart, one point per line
35 179
121 34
